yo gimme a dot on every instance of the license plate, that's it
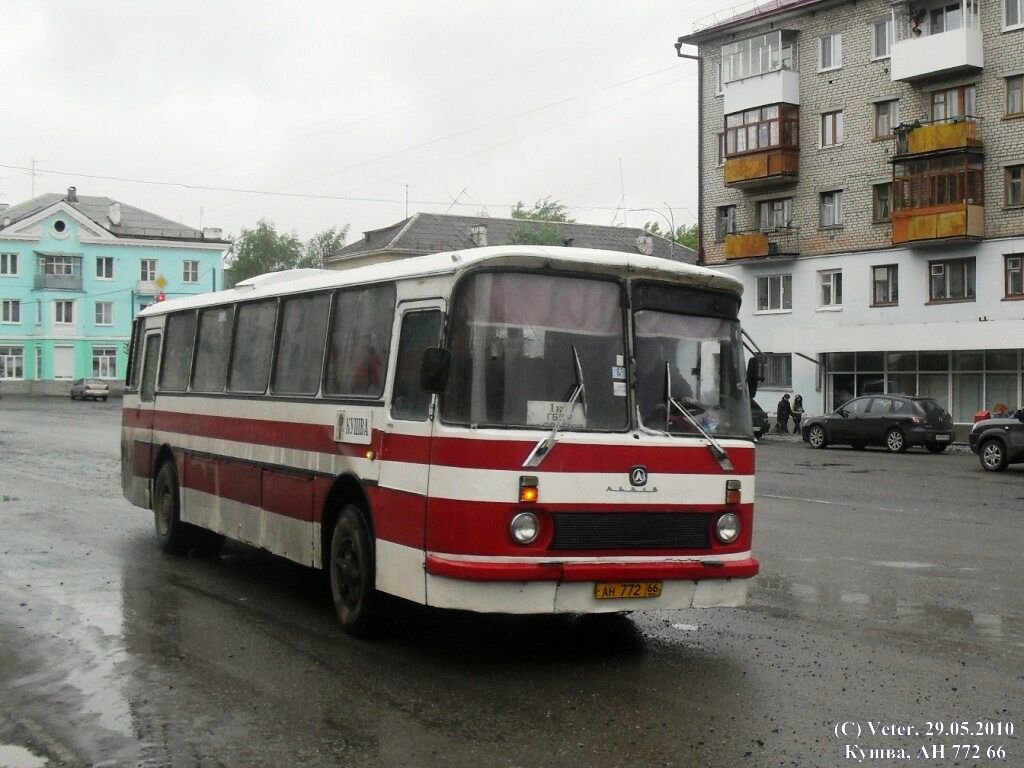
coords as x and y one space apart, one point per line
942 438
626 590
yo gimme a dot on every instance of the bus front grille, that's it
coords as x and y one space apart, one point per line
631 530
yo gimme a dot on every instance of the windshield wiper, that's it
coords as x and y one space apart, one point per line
713 445
578 393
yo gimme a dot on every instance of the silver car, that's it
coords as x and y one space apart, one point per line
94 389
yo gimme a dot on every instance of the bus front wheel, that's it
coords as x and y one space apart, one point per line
352 572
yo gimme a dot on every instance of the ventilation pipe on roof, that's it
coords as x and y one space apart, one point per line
478 234
212 233
72 195
114 214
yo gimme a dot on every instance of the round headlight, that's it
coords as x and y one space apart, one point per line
524 527
727 529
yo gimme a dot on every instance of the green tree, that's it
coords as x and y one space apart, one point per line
543 210
684 235
537 233
322 246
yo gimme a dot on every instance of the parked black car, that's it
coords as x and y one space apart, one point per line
999 442
760 419
894 421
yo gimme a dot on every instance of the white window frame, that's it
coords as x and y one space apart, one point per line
835 46
104 362
147 267
1019 4
39 311
889 38
11 313
768 214
830 289
11 360
836 196
60 317
783 279
6 259
727 225
100 314
835 117
892 110
186 272
99 272
1013 263
891 280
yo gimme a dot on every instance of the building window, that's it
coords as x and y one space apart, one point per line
881 40
887 117
12 311
190 272
148 270
64 312
39 312
12 362
104 362
951 280
1015 95
946 19
830 52
778 371
927 182
1014 277
881 202
832 208
885 285
104 313
757 55
775 214
1015 185
104 267
775 293
777 125
8 264
955 102
830 283
725 222
1013 13
831 129
60 266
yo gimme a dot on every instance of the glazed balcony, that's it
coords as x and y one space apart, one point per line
933 41
959 133
780 242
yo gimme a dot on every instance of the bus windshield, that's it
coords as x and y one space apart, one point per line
700 361
523 343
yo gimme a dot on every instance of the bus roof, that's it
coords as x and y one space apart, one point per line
451 262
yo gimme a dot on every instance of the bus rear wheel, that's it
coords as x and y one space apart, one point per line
172 534
352 572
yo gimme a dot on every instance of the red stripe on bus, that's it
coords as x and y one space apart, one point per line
577 572
398 516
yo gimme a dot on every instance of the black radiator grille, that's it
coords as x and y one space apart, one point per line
631 530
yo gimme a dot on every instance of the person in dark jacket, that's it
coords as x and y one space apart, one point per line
798 413
782 414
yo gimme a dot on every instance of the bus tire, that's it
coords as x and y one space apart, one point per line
352 572
172 535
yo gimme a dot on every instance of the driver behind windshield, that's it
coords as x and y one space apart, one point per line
651 356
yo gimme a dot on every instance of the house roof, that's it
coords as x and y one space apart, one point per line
722 21
424 233
134 222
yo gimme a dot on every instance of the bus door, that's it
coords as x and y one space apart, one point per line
143 450
405 456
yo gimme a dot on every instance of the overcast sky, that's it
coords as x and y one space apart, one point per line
481 102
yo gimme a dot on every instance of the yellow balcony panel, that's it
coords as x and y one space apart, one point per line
746 245
762 169
939 224
935 137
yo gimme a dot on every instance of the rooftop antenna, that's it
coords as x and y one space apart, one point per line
455 200
622 199
34 162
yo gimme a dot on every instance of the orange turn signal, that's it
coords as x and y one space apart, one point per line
528 493
732 491
371 455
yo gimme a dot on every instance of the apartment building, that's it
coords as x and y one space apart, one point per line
74 270
862 172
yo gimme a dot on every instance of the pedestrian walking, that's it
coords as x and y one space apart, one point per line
798 413
782 413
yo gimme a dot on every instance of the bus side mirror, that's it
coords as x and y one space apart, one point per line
754 375
434 371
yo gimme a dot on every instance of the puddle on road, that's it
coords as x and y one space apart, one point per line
12 756
5 497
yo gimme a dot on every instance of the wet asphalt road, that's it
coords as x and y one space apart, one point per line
890 591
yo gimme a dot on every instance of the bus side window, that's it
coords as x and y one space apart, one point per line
360 341
214 339
255 322
149 367
181 331
135 354
420 330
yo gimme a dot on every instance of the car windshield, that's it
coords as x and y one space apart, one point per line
522 343
702 358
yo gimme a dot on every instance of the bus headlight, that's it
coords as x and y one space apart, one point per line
727 529
524 527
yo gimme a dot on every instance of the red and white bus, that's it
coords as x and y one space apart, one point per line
506 429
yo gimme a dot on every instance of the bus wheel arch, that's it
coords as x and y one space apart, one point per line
346 489
349 555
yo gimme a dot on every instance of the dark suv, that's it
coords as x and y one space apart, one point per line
999 442
894 421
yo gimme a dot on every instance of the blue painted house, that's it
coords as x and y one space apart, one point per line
74 270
